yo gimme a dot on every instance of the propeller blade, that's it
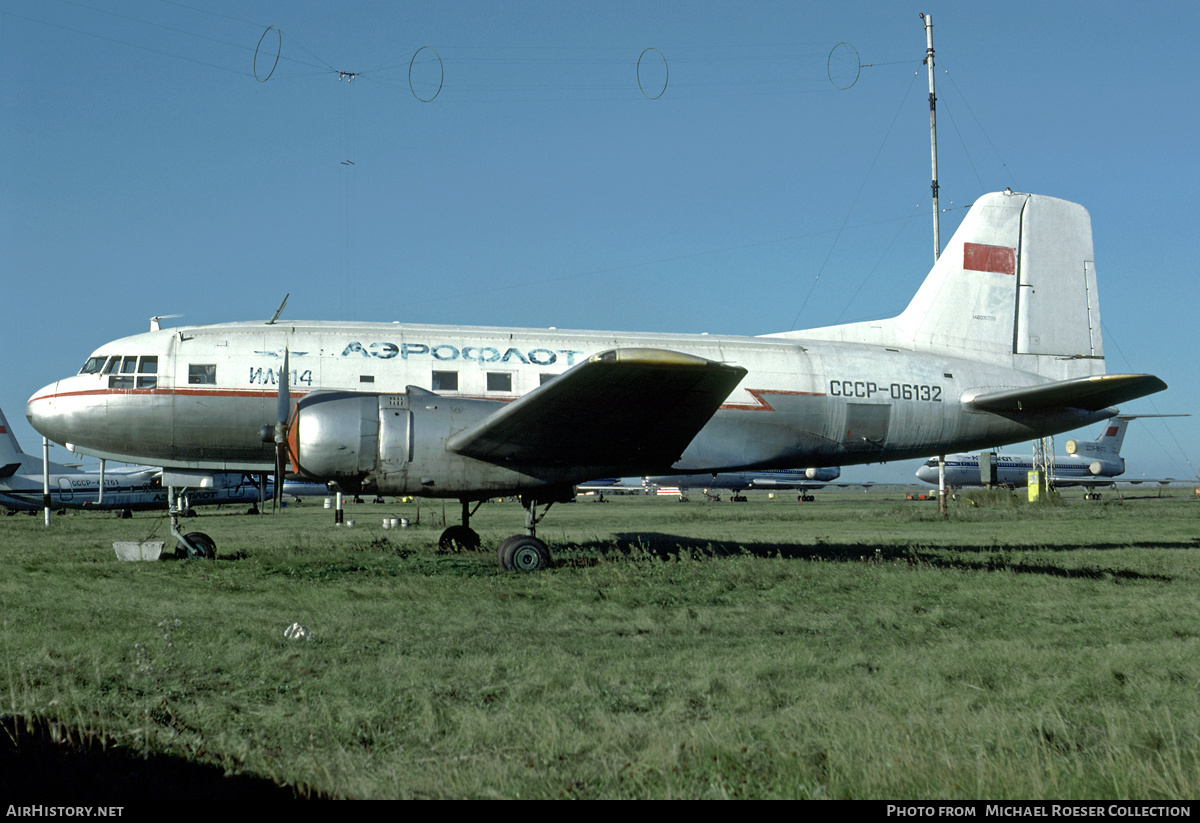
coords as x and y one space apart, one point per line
281 418
285 399
278 490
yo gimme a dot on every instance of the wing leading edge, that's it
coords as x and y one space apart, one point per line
635 407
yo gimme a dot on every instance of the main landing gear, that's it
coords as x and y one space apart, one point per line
461 538
524 552
519 553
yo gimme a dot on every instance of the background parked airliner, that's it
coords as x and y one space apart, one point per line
803 480
1086 463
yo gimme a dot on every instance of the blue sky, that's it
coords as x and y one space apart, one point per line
503 163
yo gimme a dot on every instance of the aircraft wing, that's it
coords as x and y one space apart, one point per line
1092 393
636 406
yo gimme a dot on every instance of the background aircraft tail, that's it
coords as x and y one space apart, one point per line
1108 444
10 451
1015 286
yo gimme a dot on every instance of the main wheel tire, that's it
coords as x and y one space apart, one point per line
522 553
200 547
459 539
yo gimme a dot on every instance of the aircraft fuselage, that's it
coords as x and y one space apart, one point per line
198 397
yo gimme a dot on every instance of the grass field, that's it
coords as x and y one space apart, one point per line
855 647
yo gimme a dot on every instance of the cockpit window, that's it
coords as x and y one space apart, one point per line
127 371
147 372
93 365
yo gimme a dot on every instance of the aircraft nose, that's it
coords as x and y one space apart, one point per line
42 411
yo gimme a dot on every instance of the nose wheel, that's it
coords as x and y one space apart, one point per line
198 546
194 545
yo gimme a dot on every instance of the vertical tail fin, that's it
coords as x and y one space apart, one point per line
10 451
1016 285
1114 435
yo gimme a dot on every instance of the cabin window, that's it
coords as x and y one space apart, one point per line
445 381
545 378
202 374
499 381
366 378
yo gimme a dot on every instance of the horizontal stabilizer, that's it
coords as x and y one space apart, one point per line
1090 393
636 406
9 470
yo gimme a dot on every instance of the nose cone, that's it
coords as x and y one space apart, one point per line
42 410
48 413
929 474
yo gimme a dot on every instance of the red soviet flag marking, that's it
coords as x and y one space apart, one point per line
981 257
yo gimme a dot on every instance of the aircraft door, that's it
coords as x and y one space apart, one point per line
866 426
65 492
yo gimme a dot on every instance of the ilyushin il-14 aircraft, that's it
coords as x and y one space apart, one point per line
23 480
1087 463
1000 344
803 480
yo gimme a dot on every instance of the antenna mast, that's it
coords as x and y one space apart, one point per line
937 242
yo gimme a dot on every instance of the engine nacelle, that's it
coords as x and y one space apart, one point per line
396 444
1106 468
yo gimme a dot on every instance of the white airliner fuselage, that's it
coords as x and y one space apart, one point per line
801 402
